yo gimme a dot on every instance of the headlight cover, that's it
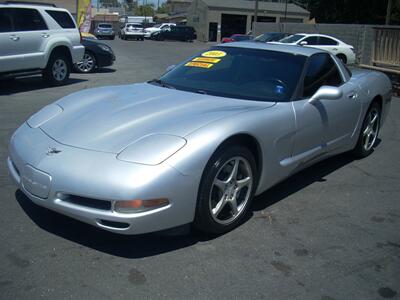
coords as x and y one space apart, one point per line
152 149
105 48
45 114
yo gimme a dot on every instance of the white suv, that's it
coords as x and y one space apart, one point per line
38 39
156 28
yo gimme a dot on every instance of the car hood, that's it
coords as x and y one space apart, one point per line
108 119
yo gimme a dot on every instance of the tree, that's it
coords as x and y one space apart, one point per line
109 3
145 10
163 8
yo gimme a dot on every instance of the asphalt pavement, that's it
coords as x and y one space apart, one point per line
329 232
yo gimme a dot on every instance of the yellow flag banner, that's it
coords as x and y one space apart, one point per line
84 15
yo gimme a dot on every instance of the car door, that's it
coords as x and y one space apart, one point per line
324 125
10 58
31 34
328 44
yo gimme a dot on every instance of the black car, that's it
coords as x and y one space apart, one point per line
96 55
178 33
270 37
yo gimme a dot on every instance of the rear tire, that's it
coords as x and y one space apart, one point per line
226 190
57 70
369 132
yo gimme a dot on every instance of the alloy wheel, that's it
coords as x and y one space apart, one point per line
87 64
231 190
59 69
371 129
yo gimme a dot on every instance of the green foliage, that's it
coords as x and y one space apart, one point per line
350 11
145 10
163 9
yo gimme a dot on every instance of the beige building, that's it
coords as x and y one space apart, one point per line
215 19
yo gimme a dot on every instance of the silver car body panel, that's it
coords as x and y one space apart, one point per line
142 141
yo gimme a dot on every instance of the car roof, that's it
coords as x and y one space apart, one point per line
316 34
306 51
32 6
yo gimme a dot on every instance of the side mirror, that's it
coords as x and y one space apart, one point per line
326 92
169 68
303 43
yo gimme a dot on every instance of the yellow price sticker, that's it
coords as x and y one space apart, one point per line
214 53
207 59
198 64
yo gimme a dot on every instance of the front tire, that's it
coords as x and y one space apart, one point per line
87 64
226 190
57 70
369 132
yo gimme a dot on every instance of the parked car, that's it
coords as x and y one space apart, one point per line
38 39
236 38
87 35
343 51
178 33
270 37
104 30
96 55
197 144
132 31
148 31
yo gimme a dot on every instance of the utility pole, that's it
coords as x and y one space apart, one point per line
285 10
256 11
389 11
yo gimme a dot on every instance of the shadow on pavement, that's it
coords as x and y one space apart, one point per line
26 84
297 182
152 244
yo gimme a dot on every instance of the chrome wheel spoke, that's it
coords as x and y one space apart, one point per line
220 184
234 172
243 183
220 205
233 205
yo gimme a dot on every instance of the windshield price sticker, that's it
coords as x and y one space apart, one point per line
207 59
198 64
214 54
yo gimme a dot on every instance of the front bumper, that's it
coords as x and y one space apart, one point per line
50 180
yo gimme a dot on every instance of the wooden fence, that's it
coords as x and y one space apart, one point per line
386 48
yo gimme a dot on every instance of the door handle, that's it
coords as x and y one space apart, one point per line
45 35
352 95
14 38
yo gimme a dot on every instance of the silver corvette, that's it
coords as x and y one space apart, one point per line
197 144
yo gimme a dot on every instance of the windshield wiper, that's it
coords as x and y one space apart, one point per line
161 83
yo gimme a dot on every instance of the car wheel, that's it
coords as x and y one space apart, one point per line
342 57
57 70
369 132
226 190
87 64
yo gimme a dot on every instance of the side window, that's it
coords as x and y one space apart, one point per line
324 41
321 70
5 20
312 40
62 18
28 20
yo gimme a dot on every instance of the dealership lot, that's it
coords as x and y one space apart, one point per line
330 232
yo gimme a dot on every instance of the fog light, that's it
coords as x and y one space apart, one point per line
137 205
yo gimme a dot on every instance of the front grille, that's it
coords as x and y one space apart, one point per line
87 202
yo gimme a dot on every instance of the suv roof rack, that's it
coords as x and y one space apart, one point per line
28 3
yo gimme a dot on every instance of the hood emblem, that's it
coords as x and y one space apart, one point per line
51 151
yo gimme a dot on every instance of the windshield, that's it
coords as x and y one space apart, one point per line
252 74
134 25
105 25
292 39
157 26
264 37
241 37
